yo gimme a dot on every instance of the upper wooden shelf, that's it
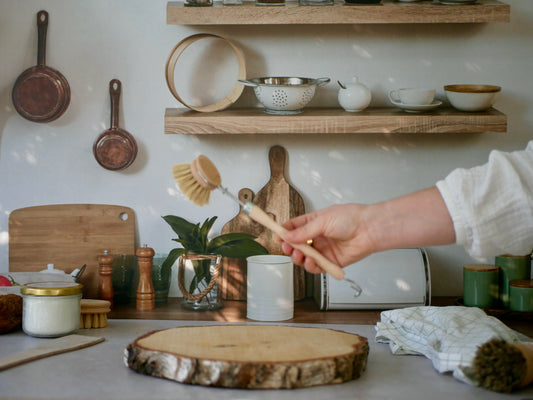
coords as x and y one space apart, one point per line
331 121
388 12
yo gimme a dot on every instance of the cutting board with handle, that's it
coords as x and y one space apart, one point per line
233 277
68 236
282 202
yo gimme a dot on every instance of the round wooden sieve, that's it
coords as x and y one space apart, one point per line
41 93
171 66
115 148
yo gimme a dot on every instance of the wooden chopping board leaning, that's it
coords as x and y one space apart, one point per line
68 236
282 202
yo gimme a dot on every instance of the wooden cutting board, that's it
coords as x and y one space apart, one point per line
250 356
68 236
233 277
279 199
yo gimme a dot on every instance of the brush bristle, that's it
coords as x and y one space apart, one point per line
189 185
499 366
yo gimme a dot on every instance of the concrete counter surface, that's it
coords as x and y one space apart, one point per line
98 372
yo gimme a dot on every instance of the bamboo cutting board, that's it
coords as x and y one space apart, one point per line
250 356
68 236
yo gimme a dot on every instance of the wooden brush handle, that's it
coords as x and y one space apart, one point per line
527 352
258 215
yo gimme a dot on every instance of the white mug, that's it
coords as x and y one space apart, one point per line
270 290
412 96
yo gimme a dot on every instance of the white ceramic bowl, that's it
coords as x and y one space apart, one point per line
284 95
471 97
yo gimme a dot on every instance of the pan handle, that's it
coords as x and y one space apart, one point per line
114 91
42 27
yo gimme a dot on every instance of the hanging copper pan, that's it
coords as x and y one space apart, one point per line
115 148
41 93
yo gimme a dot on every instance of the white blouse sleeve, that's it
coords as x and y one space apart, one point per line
492 205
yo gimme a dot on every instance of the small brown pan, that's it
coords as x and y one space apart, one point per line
115 148
41 93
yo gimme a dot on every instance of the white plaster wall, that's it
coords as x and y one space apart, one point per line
92 42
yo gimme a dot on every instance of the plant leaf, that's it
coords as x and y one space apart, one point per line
229 237
171 258
181 226
204 231
240 249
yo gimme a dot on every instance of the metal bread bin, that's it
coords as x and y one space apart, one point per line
284 95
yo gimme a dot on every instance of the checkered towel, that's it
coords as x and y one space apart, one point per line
448 336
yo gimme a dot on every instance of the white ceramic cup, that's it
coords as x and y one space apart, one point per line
270 290
412 96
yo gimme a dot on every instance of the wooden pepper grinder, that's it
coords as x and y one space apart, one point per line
105 270
145 290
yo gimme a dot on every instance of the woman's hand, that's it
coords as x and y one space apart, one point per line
347 233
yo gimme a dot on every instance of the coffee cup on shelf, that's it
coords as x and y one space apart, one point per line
412 96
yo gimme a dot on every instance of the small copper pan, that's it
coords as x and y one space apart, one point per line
41 93
115 148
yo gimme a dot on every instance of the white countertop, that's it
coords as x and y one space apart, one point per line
98 372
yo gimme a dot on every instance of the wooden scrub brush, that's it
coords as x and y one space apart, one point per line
94 313
502 366
197 179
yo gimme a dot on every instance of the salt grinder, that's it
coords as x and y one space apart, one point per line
145 290
105 270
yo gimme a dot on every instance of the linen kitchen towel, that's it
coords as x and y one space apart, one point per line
448 336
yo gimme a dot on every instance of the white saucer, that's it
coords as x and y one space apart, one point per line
417 108
457 2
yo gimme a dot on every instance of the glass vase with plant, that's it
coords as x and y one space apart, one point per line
203 255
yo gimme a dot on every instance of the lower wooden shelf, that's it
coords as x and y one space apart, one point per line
305 312
332 121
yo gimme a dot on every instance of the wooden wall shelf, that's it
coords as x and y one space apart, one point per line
388 12
332 121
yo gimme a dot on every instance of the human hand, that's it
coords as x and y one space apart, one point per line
338 232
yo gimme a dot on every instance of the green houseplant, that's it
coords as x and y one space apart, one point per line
204 255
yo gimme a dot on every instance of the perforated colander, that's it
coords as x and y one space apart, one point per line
284 95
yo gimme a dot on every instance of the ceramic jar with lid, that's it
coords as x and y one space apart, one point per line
354 96
521 295
51 309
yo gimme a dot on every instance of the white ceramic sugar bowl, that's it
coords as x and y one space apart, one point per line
353 95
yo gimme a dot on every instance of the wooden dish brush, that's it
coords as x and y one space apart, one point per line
94 313
197 179
502 366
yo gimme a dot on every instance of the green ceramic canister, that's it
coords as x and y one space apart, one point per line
512 268
480 285
521 295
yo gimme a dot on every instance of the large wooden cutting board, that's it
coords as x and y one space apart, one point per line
250 356
68 236
279 199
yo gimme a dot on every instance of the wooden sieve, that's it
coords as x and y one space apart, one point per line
171 66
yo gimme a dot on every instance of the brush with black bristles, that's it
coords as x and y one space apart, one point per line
197 179
502 366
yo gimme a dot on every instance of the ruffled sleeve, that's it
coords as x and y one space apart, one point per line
492 205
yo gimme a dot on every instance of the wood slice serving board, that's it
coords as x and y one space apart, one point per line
68 236
250 356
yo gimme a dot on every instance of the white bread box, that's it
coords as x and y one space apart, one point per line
390 279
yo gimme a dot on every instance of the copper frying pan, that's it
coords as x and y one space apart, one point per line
115 148
41 93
